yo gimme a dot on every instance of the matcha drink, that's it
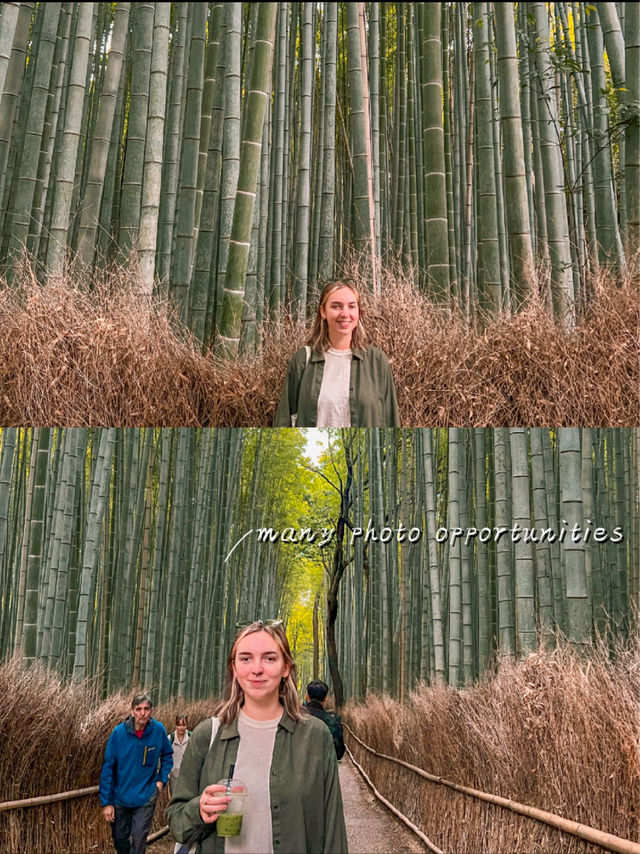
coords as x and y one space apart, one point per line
229 822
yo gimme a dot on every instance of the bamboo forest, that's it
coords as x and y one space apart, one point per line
241 153
470 595
418 226
131 554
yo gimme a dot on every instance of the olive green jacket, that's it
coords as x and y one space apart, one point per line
304 789
372 395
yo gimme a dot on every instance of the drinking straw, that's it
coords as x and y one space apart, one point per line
232 768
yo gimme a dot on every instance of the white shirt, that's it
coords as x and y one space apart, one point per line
253 767
333 400
179 748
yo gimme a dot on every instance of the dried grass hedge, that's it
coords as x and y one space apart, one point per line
53 740
553 731
76 353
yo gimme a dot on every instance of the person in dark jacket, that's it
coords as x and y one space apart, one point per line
137 762
337 380
317 691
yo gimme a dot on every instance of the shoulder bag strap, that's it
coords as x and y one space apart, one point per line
215 726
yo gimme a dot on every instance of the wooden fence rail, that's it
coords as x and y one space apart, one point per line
590 834
48 799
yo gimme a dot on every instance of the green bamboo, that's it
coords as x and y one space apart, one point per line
632 132
60 217
90 208
9 21
489 289
142 17
522 265
503 517
436 224
455 656
523 550
577 592
185 224
30 154
609 246
13 76
234 280
555 204
152 173
41 441
303 201
172 144
91 547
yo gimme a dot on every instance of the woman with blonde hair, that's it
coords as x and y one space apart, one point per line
337 380
285 757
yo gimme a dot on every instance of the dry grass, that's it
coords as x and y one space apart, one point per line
551 731
53 740
103 356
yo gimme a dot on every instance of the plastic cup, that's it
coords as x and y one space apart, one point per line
229 822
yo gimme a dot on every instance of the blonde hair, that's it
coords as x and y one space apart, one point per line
319 337
233 697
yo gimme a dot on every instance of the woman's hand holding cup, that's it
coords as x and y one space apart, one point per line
213 801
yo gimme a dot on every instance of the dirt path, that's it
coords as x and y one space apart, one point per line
371 828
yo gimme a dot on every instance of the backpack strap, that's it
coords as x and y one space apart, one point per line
215 726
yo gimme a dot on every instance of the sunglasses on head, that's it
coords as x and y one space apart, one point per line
246 623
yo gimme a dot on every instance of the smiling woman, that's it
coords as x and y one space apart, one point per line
285 757
337 380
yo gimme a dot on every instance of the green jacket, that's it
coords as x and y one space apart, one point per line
306 802
372 395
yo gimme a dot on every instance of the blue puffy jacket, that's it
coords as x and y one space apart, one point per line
132 766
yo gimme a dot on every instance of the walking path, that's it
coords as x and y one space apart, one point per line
371 828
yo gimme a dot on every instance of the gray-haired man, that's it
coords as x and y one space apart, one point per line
136 766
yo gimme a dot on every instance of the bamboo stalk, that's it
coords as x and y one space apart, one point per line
591 834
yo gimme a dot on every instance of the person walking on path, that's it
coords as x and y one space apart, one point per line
337 380
317 691
136 767
179 739
285 757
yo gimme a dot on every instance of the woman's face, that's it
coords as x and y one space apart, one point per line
341 311
259 666
181 730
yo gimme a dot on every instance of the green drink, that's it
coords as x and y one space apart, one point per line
229 824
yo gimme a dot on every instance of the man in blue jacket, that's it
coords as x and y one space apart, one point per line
136 766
